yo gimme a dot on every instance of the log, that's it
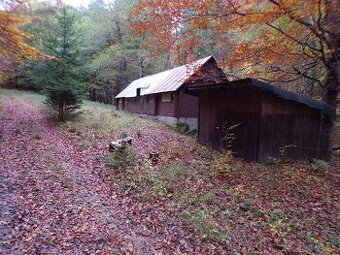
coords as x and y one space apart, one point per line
116 146
127 140
120 144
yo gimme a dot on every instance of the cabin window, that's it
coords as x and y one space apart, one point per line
166 98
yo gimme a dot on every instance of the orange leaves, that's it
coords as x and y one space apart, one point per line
258 34
200 23
13 41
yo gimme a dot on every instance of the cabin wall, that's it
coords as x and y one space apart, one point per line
140 105
168 112
133 105
150 105
288 130
187 105
266 126
233 112
119 104
166 108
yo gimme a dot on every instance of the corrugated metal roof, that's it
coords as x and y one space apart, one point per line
166 81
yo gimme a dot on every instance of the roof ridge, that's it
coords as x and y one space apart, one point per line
170 79
190 63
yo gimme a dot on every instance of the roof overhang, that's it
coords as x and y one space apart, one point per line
195 90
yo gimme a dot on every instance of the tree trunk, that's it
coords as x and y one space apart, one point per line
141 74
330 94
61 114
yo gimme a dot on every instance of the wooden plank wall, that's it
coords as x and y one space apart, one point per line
119 103
267 126
288 130
166 108
224 109
187 105
151 105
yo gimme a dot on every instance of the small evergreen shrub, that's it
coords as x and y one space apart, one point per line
182 128
121 159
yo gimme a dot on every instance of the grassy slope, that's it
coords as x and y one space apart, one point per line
20 95
242 207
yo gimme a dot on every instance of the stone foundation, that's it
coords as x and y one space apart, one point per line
173 121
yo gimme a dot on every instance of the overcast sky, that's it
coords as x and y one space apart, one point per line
77 3
84 3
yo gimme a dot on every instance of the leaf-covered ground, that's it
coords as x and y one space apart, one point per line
62 192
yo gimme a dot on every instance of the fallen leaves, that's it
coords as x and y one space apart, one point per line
57 197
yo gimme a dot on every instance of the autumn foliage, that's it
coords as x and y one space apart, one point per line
13 40
261 36
274 40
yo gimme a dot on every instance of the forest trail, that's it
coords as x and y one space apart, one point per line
51 200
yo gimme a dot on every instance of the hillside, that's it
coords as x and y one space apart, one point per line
63 192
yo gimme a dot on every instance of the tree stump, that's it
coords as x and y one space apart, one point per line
154 156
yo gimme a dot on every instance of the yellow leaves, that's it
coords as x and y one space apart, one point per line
324 247
13 41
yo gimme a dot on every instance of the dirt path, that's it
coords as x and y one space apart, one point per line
51 200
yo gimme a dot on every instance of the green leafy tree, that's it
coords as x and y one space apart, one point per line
114 56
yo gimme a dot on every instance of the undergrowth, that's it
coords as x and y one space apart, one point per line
18 95
120 159
244 206
223 191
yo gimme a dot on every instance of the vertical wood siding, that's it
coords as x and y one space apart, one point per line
187 105
266 125
167 108
288 130
150 105
220 110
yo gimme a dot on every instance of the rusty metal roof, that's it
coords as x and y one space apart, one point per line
166 81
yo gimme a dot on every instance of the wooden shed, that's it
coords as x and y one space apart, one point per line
258 120
163 96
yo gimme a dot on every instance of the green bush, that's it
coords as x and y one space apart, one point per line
121 159
164 181
174 173
182 128
318 164
204 226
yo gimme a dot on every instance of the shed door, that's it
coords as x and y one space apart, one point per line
207 125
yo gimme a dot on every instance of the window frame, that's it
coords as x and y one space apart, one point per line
166 97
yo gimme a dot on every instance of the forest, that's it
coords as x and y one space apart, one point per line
82 173
104 54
